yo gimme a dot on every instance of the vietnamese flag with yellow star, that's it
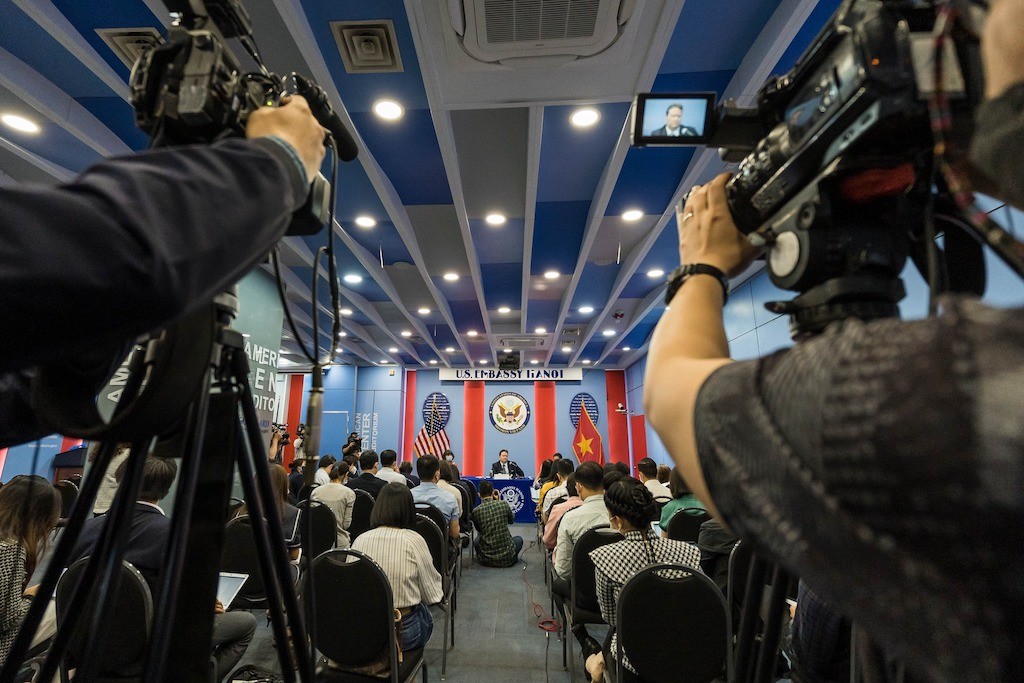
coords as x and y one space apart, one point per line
587 442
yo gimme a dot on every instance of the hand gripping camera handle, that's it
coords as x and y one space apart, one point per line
328 118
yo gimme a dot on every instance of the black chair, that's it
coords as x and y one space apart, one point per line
434 514
234 506
350 614
323 524
437 543
466 520
361 510
239 556
671 603
684 525
739 566
583 607
127 632
305 491
68 496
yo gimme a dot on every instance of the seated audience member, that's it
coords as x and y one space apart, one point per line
108 487
716 543
353 464
545 474
297 479
495 545
429 469
574 523
630 508
564 468
368 480
555 515
29 509
551 482
648 471
323 472
403 555
389 468
682 498
818 643
664 472
406 469
339 498
617 466
148 539
445 483
449 457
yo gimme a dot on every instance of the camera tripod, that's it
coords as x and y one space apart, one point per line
215 429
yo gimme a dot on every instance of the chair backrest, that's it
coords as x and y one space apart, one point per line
305 491
351 613
466 520
473 489
557 501
234 505
126 634
584 584
435 538
671 603
684 525
324 526
68 495
434 514
361 510
739 566
239 556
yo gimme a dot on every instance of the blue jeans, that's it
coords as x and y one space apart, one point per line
417 626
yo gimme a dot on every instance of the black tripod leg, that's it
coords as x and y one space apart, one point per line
745 652
773 627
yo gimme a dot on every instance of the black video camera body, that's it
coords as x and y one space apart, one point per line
282 429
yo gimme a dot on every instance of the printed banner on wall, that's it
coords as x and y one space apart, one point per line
528 375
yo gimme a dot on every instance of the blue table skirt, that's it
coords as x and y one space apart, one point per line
516 492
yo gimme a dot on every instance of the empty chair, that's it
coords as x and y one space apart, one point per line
349 612
321 522
361 510
671 603
239 556
126 633
685 524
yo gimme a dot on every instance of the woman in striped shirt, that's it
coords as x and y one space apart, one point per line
403 555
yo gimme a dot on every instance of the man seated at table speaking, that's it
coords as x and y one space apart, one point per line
673 123
506 466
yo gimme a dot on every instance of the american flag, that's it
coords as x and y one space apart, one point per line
432 438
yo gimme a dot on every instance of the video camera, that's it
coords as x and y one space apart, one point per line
192 89
282 429
837 170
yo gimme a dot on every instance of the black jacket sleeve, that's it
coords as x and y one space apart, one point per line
135 243
998 144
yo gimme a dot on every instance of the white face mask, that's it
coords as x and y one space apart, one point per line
351 470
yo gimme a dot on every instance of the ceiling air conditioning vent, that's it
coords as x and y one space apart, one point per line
523 342
368 46
129 43
509 30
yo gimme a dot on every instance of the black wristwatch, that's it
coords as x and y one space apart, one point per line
678 276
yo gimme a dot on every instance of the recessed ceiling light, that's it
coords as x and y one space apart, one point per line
507 350
609 333
655 272
20 123
365 222
393 349
540 330
450 349
433 361
566 349
346 311
551 274
504 309
343 333
389 110
586 362
534 361
423 310
406 333
626 348
451 277
586 309
483 362
339 350
581 118
353 279
632 215
384 362
495 219
471 333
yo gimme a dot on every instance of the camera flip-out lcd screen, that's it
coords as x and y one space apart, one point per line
673 119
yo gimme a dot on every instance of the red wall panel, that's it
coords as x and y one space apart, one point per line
410 415
617 448
638 426
473 429
545 437
293 416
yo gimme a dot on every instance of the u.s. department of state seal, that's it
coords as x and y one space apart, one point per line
509 412
514 498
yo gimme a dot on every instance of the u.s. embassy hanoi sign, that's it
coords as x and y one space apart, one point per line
525 375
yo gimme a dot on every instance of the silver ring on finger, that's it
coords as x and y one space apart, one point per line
688 216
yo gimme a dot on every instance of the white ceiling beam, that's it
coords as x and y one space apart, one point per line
534 136
59 172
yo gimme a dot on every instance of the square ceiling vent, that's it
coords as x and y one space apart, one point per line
129 43
367 46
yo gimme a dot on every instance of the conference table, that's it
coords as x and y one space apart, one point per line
518 493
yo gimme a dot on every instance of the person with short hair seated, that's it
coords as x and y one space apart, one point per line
429 469
630 507
563 468
406 469
555 516
405 558
389 468
323 472
495 545
682 498
445 483
367 480
148 538
648 471
339 498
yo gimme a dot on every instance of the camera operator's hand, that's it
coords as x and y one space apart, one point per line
1002 46
707 233
294 123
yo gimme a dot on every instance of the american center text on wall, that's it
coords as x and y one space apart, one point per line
262 376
